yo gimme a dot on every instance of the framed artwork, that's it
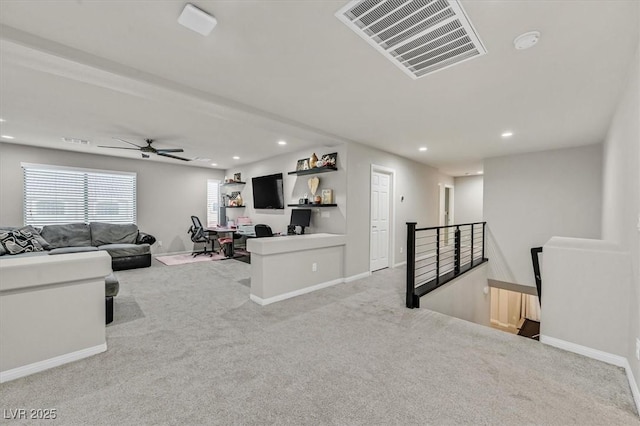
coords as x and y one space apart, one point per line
302 164
327 196
330 160
237 177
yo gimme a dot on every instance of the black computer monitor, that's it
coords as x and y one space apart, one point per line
301 218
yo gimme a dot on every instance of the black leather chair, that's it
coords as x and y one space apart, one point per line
263 231
201 235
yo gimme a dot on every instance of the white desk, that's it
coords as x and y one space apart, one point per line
283 267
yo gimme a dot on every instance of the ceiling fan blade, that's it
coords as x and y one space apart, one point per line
170 150
173 156
118 147
130 143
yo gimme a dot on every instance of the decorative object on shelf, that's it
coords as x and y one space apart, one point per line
304 200
302 164
317 199
313 184
329 160
327 196
313 160
237 177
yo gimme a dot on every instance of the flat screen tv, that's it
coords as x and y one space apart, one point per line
268 192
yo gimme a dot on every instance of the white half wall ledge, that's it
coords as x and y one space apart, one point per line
36 367
617 360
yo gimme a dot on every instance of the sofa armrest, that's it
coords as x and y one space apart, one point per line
145 238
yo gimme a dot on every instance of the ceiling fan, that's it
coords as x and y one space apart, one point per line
146 150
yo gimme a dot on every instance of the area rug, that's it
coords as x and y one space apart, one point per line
183 259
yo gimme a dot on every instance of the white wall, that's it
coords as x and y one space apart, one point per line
621 196
585 284
463 297
529 198
467 199
323 219
168 194
416 182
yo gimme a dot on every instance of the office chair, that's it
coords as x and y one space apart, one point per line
200 235
263 231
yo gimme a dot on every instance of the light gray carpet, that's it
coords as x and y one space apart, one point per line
188 347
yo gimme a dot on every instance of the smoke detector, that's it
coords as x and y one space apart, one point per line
418 36
526 40
197 20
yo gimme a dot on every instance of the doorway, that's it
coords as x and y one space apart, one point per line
381 219
446 212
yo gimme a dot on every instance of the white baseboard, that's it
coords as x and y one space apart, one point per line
616 360
357 277
36 367
306 290
634 387
397 265
294 293
607 357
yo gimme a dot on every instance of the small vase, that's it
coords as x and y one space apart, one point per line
313 160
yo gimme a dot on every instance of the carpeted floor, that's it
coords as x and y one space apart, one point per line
188 347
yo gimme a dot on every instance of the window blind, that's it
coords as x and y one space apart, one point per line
213 202
58 195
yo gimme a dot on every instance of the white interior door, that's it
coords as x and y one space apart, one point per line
380 193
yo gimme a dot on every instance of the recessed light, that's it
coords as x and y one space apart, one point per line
235 157
282 142
2 120
214 164
197 20
422 148
480 172
526 40
7 137
507 134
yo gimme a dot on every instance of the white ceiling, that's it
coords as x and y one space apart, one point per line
289 70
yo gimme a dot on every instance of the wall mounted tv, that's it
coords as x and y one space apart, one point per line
268 192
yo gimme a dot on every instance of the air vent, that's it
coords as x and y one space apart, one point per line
76 141
419 36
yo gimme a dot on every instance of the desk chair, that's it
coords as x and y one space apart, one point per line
200 235
263 231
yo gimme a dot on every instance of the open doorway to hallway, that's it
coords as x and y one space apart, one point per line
515 312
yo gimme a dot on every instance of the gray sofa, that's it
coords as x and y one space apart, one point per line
128 247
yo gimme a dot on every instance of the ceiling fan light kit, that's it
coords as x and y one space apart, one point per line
197 20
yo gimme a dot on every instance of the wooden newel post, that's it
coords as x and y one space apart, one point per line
411 263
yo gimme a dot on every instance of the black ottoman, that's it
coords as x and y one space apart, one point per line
111 287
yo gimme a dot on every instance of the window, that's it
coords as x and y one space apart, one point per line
57 195
213 202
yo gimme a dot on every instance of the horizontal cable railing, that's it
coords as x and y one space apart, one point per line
438 254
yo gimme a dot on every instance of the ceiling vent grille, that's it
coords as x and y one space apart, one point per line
419 36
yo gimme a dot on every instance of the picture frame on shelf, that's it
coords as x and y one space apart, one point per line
302 164
329 160
237 177
327 196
